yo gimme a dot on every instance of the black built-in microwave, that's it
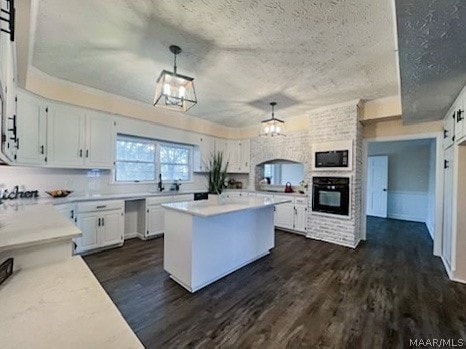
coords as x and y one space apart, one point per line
333 158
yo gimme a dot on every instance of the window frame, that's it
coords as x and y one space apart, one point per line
157 168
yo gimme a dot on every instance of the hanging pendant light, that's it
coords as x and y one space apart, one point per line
175 91
272 127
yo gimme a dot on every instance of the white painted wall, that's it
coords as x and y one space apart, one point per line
411 178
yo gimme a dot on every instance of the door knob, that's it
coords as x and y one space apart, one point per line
384 189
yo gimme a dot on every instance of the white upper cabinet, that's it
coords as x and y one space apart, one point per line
203 153
32 130
236 152
66 136
449 129
245 155
458 108
100 140
8 96
79 138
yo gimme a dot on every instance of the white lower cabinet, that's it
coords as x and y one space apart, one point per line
67 210
284 216
101 224
291 216
155 213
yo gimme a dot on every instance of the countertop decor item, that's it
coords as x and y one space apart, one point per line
175 91
59 193
288 188
217 172
272 127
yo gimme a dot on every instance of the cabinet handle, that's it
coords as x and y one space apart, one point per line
101 206
445 134
103 221
98 224
458 115
446 164
72 214
87 153
42 149
80 153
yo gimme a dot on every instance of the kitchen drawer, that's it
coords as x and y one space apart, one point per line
101 206
157 200
300 200
183 197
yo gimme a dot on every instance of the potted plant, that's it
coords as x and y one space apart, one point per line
217 173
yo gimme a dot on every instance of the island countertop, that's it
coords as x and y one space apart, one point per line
60 305
34 225
207 208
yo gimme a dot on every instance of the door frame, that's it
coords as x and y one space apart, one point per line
437 137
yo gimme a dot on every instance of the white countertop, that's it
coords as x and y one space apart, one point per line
33 225
60 305
211 207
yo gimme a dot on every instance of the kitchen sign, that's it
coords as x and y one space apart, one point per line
17 194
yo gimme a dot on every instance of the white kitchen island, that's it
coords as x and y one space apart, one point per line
205 240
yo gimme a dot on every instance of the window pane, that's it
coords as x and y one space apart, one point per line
135 151
174 172
134 171
174 155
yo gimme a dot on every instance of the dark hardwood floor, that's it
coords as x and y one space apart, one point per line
305 294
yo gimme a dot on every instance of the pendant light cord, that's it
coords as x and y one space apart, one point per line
174 68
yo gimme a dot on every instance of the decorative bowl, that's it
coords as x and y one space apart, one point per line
59 193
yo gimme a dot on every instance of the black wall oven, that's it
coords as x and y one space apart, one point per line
331 195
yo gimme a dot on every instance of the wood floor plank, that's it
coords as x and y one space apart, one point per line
305 294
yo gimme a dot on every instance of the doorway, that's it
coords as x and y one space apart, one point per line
403 181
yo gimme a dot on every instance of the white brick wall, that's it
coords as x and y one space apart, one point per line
333 124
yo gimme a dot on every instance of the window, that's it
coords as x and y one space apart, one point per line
141 160
175 161
135 160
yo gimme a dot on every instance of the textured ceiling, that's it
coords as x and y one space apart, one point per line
243 54
431 41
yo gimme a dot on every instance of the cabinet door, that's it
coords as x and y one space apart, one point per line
245 155
300 218
8 96
235 156
100 140
65 136
155 220
449 129
88 224
284 216
203 154
31 127
112 228
448 206
459 117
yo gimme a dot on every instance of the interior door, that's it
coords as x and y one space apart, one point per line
377 184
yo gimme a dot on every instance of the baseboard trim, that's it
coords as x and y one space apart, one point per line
403 217
447 268
131 235
430 228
